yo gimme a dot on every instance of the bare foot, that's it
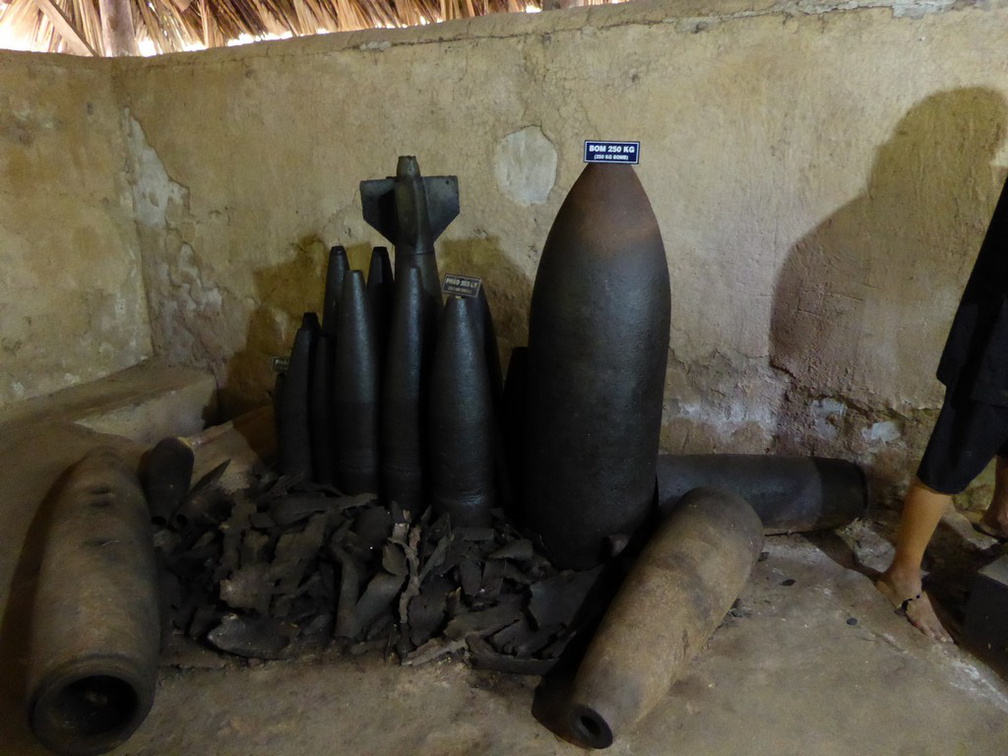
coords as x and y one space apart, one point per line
915 606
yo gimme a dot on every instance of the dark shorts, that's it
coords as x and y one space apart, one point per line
966 437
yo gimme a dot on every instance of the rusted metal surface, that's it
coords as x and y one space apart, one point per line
95 627
463 426
291 572
676 594
790 494
598 338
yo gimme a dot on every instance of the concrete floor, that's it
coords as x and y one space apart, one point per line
820 665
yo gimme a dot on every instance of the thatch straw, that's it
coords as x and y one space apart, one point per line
175 25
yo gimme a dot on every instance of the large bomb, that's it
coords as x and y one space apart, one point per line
790 494
95 628
598 339
677 592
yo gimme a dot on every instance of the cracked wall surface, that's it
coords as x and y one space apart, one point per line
822 175
822 178
71 299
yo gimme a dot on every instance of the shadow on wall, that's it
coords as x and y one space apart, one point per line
284 292
863 303
508 288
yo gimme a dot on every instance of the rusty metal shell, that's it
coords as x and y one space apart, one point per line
677 592
95 628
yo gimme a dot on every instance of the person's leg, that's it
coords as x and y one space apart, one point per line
995 519
923 508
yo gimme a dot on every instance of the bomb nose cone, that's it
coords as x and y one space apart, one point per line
336 270
407 167
608 209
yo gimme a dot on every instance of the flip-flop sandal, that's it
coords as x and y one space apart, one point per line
981 528
905 604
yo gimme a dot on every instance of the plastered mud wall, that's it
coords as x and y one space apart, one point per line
822 179
72 306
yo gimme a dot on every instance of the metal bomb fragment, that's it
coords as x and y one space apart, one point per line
677 592
166 473
463 428
356 385
411 211
598 339
95 627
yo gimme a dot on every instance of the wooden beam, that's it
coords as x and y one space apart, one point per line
117 27
65 27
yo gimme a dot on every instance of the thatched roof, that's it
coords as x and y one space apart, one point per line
175 25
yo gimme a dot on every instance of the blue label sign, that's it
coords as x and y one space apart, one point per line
612 152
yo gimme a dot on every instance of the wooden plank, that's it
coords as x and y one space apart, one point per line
65 28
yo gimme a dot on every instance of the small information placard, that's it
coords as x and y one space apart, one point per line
280 364
611 152
461 286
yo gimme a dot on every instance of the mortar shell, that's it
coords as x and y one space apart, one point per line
337 268
462 419
295 455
